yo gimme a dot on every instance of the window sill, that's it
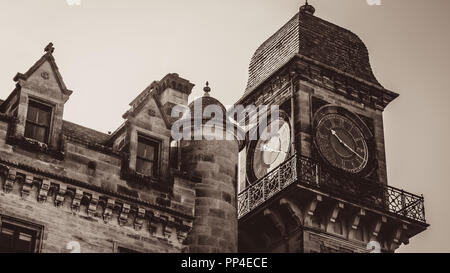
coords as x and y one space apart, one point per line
35 146
143 180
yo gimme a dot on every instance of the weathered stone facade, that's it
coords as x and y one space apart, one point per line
83 186
309 65
137 189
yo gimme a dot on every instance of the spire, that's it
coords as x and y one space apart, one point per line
307 8
207 89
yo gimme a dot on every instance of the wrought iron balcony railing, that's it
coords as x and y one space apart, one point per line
304 171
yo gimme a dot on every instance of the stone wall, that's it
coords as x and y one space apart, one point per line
215 224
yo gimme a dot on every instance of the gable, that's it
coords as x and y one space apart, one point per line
45 73
45 76
150 112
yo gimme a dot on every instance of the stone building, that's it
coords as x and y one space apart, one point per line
318 185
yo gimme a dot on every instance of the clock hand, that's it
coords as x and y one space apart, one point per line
268 149
333 132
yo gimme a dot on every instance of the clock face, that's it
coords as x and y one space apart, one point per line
341 143
270 152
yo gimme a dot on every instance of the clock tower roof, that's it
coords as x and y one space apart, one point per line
314 39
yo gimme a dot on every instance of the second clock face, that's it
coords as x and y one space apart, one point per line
271 152
341 142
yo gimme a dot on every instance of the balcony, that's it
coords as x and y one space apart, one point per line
303 172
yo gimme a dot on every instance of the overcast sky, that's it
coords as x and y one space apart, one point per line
108 51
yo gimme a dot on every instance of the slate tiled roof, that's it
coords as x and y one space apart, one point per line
317 39
84 133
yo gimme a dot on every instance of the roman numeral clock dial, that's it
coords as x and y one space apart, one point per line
270 152
341 142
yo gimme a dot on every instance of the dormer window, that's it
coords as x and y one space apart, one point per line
147 156
38 121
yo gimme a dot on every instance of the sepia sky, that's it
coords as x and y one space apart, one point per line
108 51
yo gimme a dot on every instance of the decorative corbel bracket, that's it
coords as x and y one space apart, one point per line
92 208
311 208
275 220
168 225
183 231
60 195
376 227
27 185
123 216
139 219
153 222
107 213
9 181
356 219
334 214
293 211
397 235
76 202
43 191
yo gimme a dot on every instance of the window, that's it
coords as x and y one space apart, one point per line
147 157
18 237
119 248
38 121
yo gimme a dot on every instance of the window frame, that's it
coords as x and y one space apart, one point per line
133 250
40 104
25 225
157 144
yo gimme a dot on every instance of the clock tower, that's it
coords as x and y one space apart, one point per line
319 184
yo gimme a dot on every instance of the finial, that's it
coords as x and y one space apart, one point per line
207 89
307 8
49 48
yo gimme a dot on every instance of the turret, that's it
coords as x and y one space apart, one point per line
212 154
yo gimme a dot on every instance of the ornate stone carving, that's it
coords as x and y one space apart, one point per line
182 231
154 220
93 204
76 202
45 75
123 216
139 219
27 184
168 226
60 195
9 181
109 206
43 191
